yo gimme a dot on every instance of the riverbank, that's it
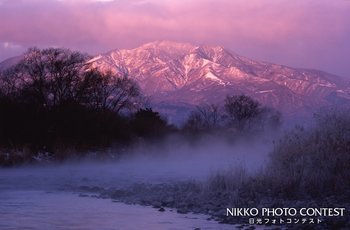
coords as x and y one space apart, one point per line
195 197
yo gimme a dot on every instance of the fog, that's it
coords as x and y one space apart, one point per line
170 161
63 195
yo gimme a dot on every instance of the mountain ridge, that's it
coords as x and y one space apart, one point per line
174 73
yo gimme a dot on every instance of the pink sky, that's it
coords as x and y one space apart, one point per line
298 33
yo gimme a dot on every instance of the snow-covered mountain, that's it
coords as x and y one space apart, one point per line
179 76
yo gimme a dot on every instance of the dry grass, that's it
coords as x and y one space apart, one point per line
305 163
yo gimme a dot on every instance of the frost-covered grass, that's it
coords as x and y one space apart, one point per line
313 162
306 163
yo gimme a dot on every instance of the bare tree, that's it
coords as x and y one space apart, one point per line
241 110
52 77
63 74
109 91
49 76
11 81
206 117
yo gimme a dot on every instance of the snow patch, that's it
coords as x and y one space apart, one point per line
206 61
265 91
327 85
160 61
187 69
95 59
213 77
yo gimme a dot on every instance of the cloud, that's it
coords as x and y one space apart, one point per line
309 33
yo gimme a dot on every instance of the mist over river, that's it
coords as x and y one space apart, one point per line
47 196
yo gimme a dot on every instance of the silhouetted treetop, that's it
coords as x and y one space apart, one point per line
239 112
55 76
47 77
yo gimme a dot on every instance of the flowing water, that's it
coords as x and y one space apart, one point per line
39 198
33 209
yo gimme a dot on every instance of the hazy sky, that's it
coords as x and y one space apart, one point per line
299 33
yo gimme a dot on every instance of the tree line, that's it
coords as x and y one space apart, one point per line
238 114
53 99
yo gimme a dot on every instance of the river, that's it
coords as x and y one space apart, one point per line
40 198
45 197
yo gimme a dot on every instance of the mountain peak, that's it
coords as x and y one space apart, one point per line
184 46
166 45
182 75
